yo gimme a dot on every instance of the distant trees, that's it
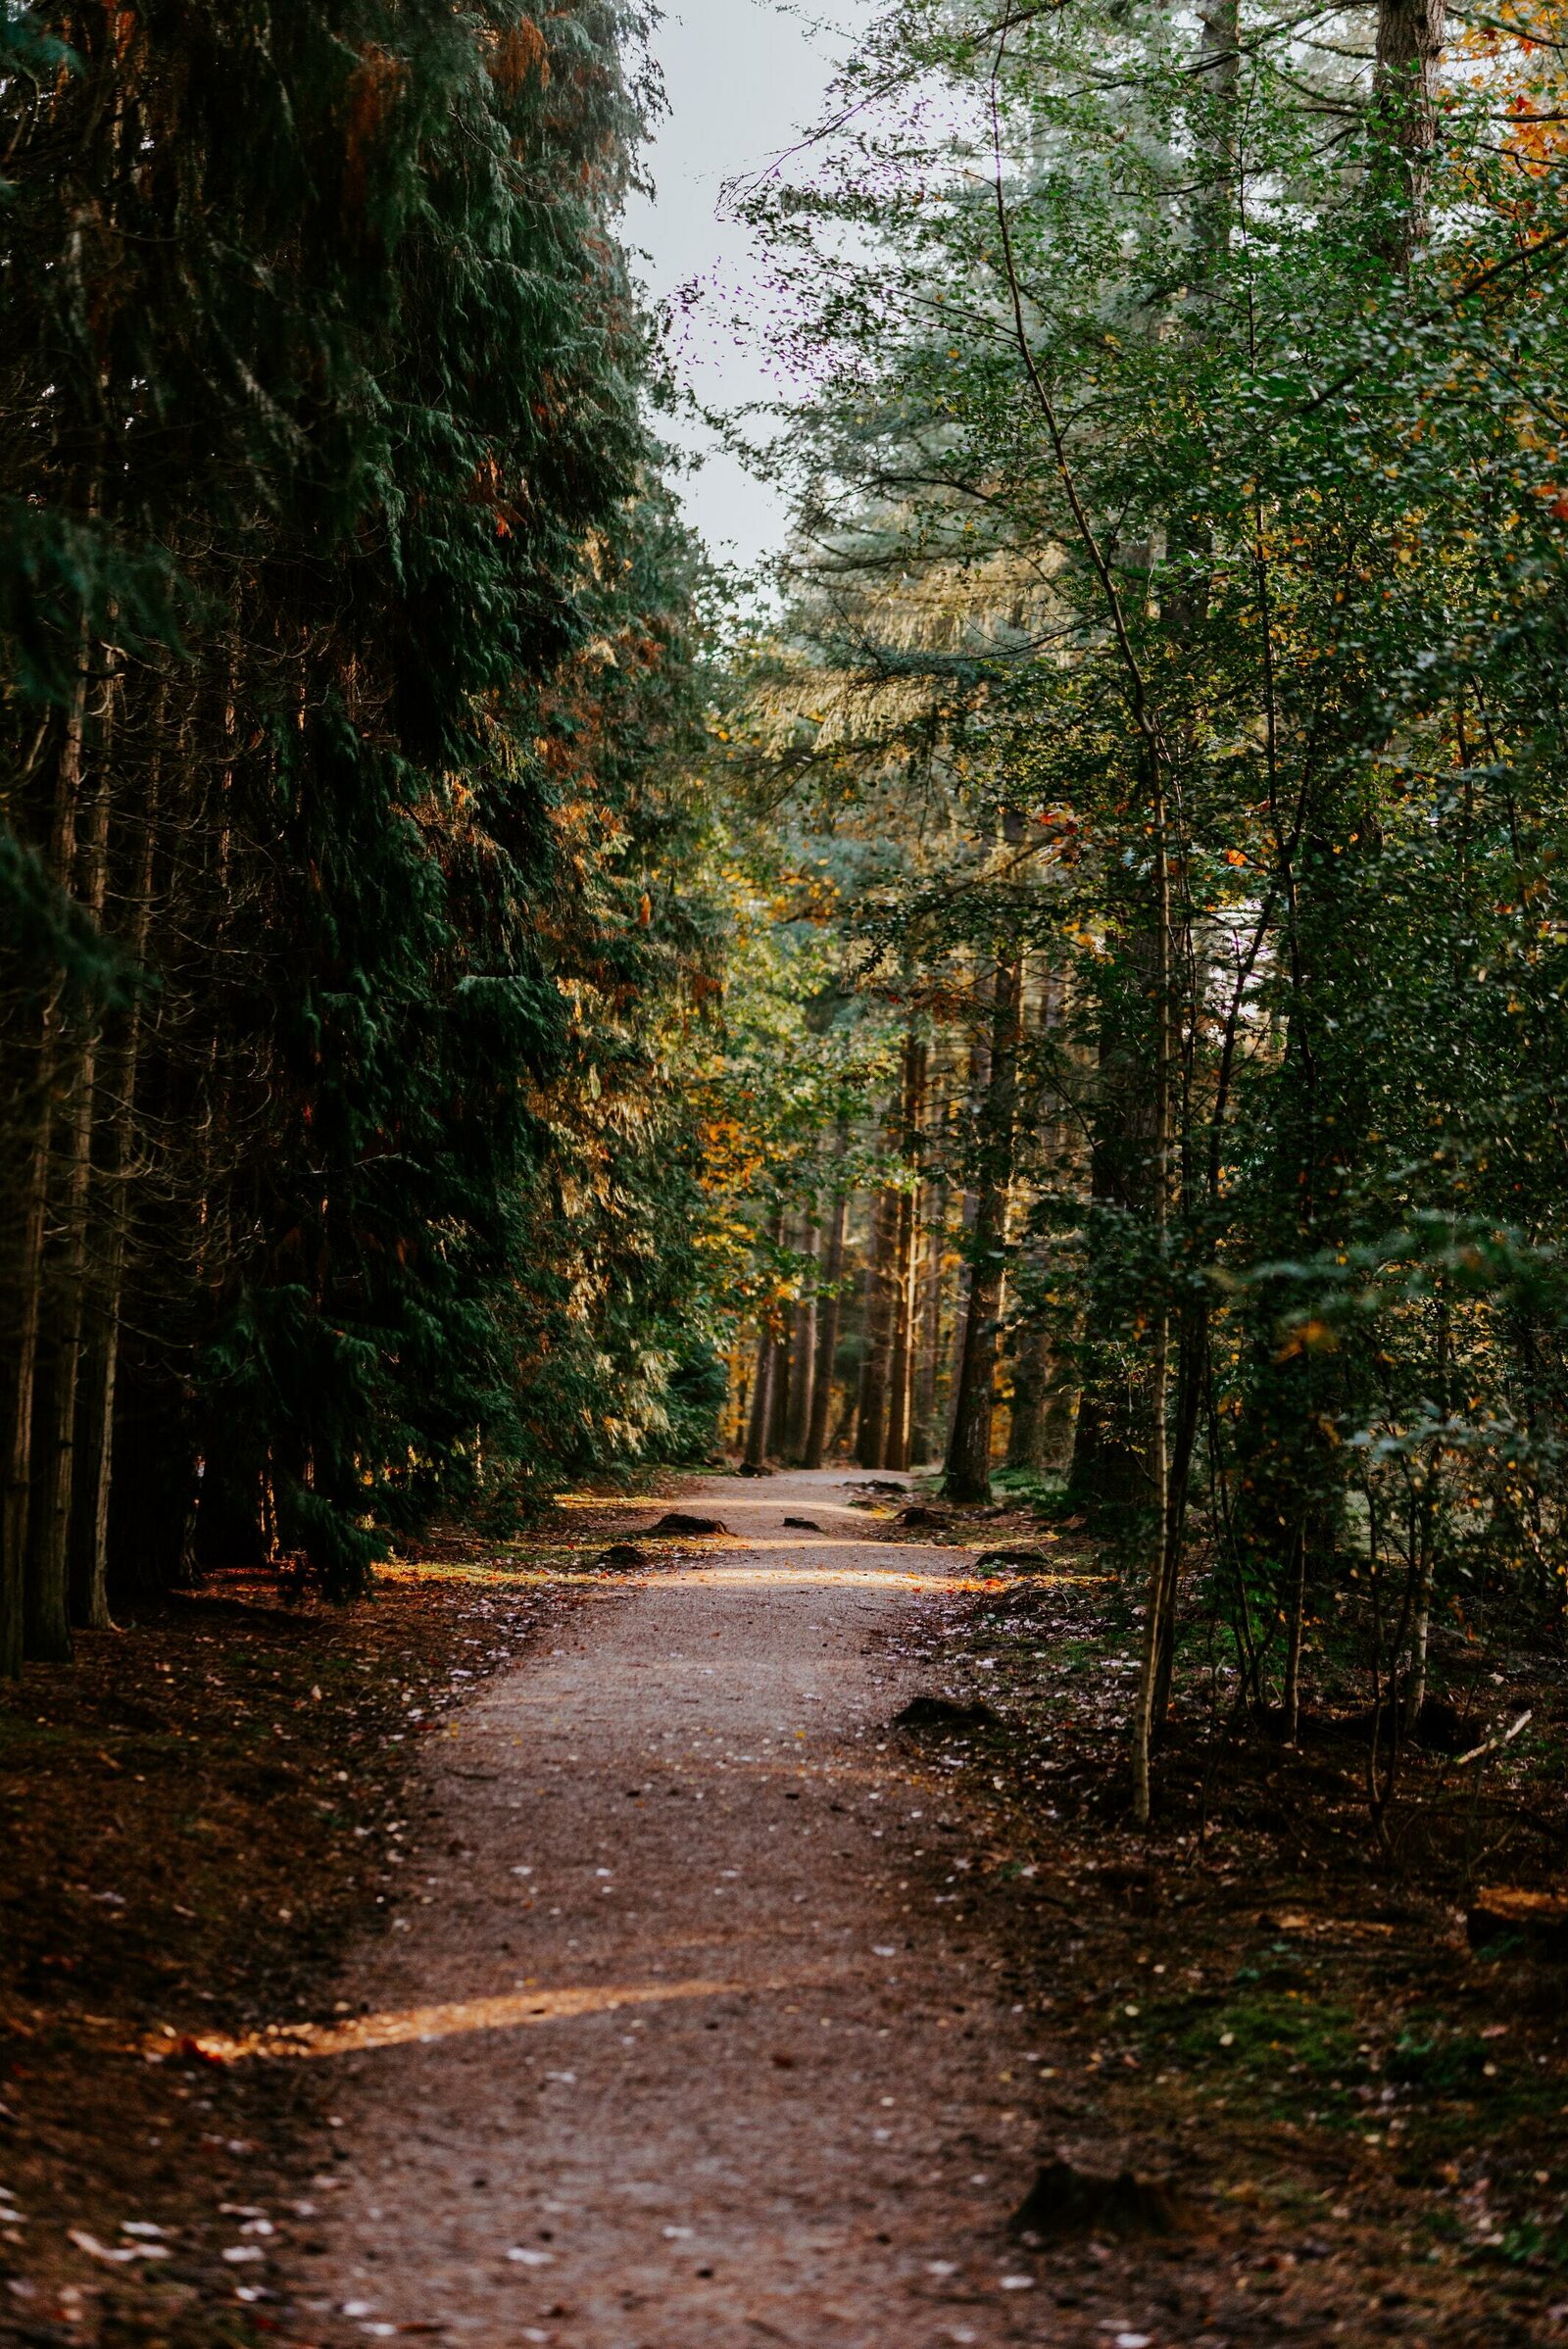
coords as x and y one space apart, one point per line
350 678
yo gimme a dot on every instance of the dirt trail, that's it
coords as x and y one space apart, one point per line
669 2057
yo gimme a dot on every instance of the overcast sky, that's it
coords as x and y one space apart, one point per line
743 78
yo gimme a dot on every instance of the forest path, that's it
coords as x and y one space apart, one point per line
672 2058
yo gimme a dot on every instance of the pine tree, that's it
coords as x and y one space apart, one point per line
352 660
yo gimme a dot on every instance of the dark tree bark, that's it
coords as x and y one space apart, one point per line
970 1114
100 1366
1409 53
762 1403
969 1462
56 1470
928 1365
901 1373
1031 1383
1034 1366
25 1313
901 1360
871 1430
802 1350
33 1617
763 1384
1110 1471
783 1369
827 1324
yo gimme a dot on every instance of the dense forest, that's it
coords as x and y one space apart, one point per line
352 651
1071 993
1162 763
1038 1019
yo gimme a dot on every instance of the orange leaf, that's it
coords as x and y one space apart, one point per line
522 53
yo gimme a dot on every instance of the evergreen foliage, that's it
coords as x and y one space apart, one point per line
1177 606
352 670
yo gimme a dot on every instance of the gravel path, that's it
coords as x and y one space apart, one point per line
665 2055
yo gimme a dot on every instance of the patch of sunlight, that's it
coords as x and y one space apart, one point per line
418 2024
851 1578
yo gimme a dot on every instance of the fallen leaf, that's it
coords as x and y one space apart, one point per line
96 2250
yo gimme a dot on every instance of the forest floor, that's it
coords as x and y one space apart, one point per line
545 1954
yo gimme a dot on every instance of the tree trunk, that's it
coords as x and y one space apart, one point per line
840 1438
1164 1537
1295 1632
95 1403
970 1118
872 1433
1191 1386
968 1212
968 1475
55 1470
24 1625
1109 1475
22 1383
1031 1383
1414 1693
827 1326
923 1410
802 1350
780 1413
762 1403
1217 132
900 1354
1030 1422
768 1354
901 1372
1404 106
87 1567
1059 1423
